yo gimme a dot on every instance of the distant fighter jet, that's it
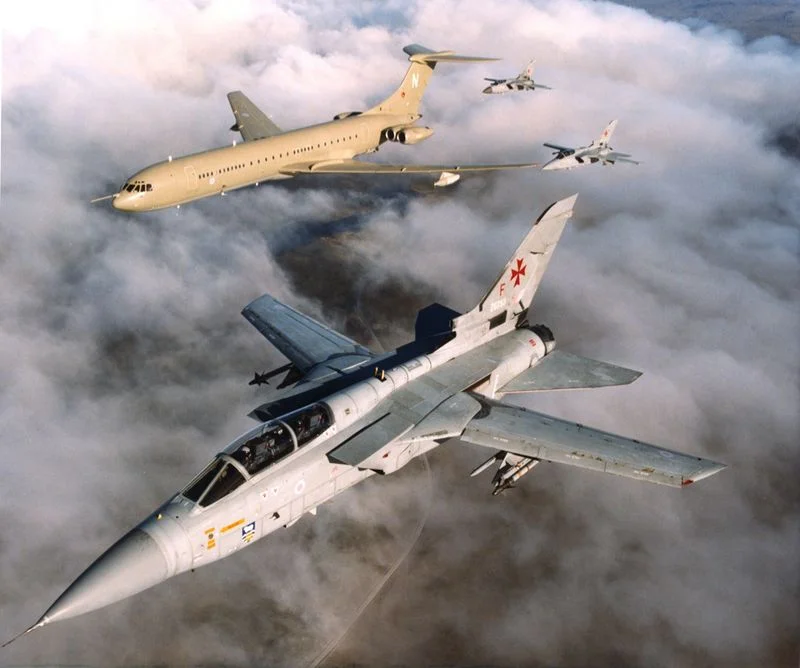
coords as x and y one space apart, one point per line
597 151
352 413
269 153
524 81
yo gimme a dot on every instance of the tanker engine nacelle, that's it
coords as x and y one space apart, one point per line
405 135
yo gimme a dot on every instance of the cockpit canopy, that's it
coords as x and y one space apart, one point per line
256 450
137 186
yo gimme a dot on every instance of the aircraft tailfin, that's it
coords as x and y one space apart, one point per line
406 99
605 137
527 73
512 293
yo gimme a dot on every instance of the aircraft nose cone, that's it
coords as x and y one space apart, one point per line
131 565
487 90
122 202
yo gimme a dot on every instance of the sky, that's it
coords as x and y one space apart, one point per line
124 361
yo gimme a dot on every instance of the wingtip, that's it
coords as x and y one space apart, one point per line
710 468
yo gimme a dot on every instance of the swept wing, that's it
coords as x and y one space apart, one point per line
299 337
530 434
250 120
614 156
362 167
559 148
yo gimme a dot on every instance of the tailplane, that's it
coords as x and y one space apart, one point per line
406 99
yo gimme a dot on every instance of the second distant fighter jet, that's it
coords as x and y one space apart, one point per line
523 81
597 151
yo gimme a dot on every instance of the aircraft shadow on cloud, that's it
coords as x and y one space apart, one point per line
342 413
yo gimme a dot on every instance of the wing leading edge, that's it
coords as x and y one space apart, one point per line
359 167
530 434
299 337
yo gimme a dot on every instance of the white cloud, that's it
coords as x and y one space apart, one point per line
123 358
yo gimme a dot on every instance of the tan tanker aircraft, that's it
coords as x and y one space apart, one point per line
269 153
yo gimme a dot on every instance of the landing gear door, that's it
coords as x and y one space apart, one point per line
191 177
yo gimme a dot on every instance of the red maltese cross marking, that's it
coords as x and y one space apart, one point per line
518 273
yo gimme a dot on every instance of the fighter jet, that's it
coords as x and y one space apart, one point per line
269 153
523 81
351 413
597 151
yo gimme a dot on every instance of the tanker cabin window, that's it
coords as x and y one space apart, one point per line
227 480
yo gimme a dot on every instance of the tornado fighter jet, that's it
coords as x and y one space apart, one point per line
523 81
597 151
346 413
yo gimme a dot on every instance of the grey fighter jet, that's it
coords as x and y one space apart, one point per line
523 81
597 151
346 413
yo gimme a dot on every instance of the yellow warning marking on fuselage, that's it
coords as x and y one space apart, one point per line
232 525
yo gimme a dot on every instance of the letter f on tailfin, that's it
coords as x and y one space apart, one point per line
509 298
406 99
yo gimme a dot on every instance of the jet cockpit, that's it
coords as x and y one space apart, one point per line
258 449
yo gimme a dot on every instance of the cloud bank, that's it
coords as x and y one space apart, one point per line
123 360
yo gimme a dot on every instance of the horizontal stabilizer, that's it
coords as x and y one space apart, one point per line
560 370
419 53
530 434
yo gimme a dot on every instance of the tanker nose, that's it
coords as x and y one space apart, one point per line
133 564
124 201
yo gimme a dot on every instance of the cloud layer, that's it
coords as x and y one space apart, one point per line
123 360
